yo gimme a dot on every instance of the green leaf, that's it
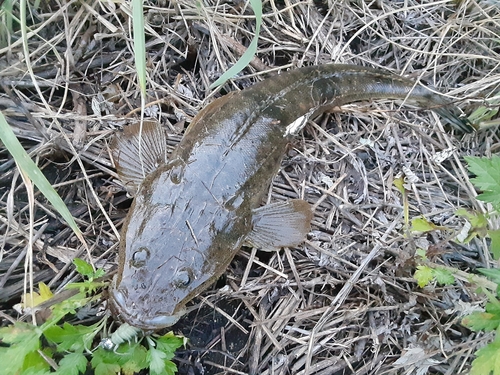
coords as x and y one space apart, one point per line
443 276
484 113
23 339
27 165
478 321
495 243
161 350
493 307
245 59
19 332
491 273
421 224
106 369
421 253
6 28
83 268
488 178
132 358
170 368
424 275
490 197
72 338
478 221
36 371
100 272
169 343
139 43
105 362
156 359
87 286
106 356
34 361
72 364
488 360
399 183
34 299
54 334
68 306
483 168
12 359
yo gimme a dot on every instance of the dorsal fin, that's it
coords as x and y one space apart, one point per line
136 154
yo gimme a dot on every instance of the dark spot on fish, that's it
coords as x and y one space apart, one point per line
183 278
140 257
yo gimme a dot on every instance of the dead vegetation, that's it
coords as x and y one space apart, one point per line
343 303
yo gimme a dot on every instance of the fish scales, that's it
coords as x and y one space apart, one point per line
192 213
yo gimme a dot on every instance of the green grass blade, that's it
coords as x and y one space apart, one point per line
249 54
27 165
6 24
139 44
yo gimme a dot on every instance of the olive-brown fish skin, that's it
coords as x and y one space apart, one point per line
192 215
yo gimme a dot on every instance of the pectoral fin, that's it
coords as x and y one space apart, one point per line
280 224
133 159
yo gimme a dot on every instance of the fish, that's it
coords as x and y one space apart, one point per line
194 210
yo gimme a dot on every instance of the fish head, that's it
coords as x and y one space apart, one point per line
169 252
147 299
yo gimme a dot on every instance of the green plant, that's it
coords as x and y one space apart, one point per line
425 274
245 59
487 179
57 347
6 24
485 116
31 170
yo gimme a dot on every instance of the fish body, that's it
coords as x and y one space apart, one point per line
193 212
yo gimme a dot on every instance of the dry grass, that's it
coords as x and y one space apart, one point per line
344 302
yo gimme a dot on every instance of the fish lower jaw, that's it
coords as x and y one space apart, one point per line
120 310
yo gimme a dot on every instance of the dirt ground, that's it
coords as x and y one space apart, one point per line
344 302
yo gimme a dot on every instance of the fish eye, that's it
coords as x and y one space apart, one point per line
183 278
140 257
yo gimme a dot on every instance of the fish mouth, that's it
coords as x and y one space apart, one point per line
138 319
